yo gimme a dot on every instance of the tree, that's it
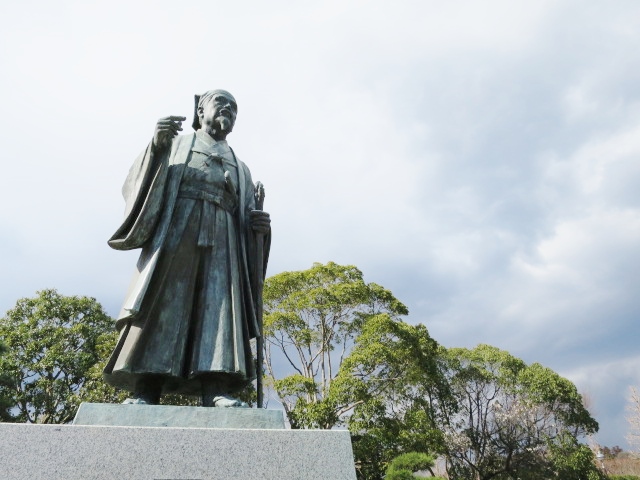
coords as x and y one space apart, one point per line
513 420
611 453
352 362
395 369
311 320
54 345
568 459
633 417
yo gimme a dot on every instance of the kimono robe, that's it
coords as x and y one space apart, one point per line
189 314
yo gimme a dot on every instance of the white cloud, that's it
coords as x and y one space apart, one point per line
478 159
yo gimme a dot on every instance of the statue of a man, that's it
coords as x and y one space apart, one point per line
190 312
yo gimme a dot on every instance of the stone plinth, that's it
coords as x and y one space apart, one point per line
71 452
111 414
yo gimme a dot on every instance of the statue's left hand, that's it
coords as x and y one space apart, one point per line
260 221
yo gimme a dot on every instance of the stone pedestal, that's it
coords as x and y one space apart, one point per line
173 452
115 415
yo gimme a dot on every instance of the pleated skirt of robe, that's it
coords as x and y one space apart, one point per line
191 327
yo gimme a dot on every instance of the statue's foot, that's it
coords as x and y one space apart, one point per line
144 397
227 401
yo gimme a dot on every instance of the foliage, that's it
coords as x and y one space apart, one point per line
403 466
394 369
353 362
567 459
6 383
311 321
55 344
512 419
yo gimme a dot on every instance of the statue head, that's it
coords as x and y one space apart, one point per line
215 112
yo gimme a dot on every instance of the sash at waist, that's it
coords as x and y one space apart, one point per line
224 199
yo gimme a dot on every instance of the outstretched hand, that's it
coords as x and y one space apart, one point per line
166 129
260 221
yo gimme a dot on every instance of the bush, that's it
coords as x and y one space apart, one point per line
403 466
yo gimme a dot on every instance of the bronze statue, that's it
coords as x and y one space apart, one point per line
193 305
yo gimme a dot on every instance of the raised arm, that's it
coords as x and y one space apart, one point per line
166 129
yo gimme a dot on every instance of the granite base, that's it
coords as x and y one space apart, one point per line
72 452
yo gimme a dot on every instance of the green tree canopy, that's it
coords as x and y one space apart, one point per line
513 420
311 320
352 361
54 343
396 372
404 466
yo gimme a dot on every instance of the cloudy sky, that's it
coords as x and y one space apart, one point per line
479 159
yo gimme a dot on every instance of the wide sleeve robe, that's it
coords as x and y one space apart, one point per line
151 194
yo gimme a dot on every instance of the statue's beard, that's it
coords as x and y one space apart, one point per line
224 124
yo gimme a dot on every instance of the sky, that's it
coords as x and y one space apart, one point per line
481 160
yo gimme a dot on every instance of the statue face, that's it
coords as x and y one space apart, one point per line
218 115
